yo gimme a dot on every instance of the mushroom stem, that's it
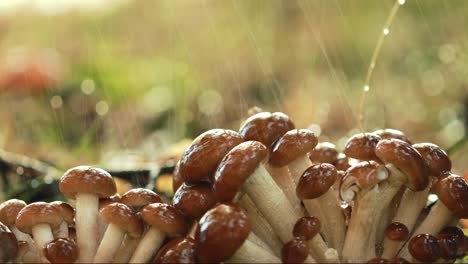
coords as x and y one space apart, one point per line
192 230
298 166
86 226
390 248
110 244
101 229
255 239
250 252
20 236
62 231
283 178
42 234
126 250
321 252
148 246
335 229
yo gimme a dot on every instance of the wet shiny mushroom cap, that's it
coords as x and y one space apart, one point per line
342 162
397 232
295 251
307 227
435 158
200 160
378 260
389 133
85 179
38 213
164 217
138 197
406 159
236 167
61 250
292 145
177 178
220 232
397 260
361 146
266 127
448 247
193 200
316 180
108 200
452 232
178 250
9 210
324 152
66 210
123 217
453 192
9 244
424 247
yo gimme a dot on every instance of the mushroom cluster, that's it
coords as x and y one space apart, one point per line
269 193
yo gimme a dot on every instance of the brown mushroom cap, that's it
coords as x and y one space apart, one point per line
67 212
193 200
108 200
8 244
38 213
366 173
316 180
378 261
295 251
453 192
397 260
361 146
236 167
164 217
178 250
84 179
389 133
266 127
290 146
220 232
138 197
406 159
448 247
200 160
397 231
307 227
424 247
177 178
435 158
452 232
342 162
124 217
324 152
61 250
9 210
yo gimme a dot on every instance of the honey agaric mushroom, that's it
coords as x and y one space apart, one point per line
456 235
200 160
222 236
61 250
395 233
121 221
242 169
177 178
295 251
9 244
101 224
342 162
8 212
390 133
86 185
378 261
164 220
361 146
314 188
39 219
324 152
178 250
424 247
398 260
68 214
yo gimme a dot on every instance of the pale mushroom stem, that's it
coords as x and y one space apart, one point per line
335 227
309 259
390 248
250 252
62 231
321 252
87 206
193 229
126 250
110 243
284 180
148 246
255 239
42 234
298 166
20 236
101 229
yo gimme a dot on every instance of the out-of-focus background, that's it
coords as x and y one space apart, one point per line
122 83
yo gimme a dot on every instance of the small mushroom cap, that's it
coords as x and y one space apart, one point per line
266 127
453 192
424 247
452 232
177 178
108 200
307 227
61 250
397 231
38 213
342 162
165 217
9 244
397 260
66 210
200 160
193 200
367 173
9 210
435 158
361 146
389 133
316 180
295 251
236 167
378 260
406 159
85 179
293 144
140 197
178 250
324 152
124 217
220 232
448 247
